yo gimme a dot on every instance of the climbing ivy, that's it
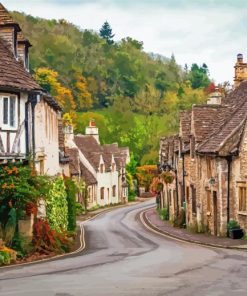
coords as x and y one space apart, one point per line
56 206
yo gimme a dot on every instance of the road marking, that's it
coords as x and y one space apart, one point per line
80 249
142 214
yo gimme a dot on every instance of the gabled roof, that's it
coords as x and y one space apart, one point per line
203 117
87 176
229 124
12 73
5 17
90 148
185 125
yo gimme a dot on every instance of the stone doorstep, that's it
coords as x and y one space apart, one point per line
186 239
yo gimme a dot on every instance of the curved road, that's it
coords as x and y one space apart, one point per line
123 258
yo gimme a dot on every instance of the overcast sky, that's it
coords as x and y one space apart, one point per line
201 31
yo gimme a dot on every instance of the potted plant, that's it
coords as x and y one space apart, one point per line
235 232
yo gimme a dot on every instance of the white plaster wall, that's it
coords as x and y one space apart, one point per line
19 121
46 138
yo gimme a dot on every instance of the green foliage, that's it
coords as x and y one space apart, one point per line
5 257
136 96
163 213
233 224
80 210
57 206
131 166
106 33
22 245
71 190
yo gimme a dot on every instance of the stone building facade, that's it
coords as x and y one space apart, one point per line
209 161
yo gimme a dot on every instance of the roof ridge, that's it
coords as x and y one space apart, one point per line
226 120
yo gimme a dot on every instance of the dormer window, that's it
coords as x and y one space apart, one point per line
9 115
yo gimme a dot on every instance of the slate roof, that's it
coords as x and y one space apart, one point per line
230 122
93 150
185 124
73 154
87 175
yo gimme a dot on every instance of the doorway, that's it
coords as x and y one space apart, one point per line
215 212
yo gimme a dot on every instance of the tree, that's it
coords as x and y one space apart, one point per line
199 76
48 79
106 33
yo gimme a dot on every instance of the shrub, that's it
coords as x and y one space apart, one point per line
71 191
5 257
233 224
163 213
22 245
79 209
47 240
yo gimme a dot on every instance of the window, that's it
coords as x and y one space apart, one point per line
101 168
102 190
114 190
9 111
113 167
242 199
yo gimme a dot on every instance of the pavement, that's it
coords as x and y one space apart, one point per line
123 258
164 227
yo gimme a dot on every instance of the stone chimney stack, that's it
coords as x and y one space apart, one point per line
92 130
8 29
240 70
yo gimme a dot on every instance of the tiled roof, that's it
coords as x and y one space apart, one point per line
204 117
229 123
5 17
73 154
90 148
185 124
87 175
12 73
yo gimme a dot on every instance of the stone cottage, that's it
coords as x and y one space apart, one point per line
209 162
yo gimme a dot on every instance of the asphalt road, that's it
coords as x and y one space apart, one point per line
123 258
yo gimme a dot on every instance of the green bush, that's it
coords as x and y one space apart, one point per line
233 224
5 258
71 191
80 210
163 213
22 245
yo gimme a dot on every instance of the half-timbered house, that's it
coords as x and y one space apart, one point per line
28 114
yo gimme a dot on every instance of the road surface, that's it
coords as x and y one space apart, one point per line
123 258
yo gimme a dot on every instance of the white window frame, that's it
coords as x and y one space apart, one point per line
7 126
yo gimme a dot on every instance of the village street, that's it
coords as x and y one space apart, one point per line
123 258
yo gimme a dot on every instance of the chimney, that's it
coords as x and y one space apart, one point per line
8 29
22 50
215 97
240 70
92 130
240 58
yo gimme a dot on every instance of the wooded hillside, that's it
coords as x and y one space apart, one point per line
134 96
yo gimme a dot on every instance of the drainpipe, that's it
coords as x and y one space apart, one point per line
229 160
183 197
176 174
